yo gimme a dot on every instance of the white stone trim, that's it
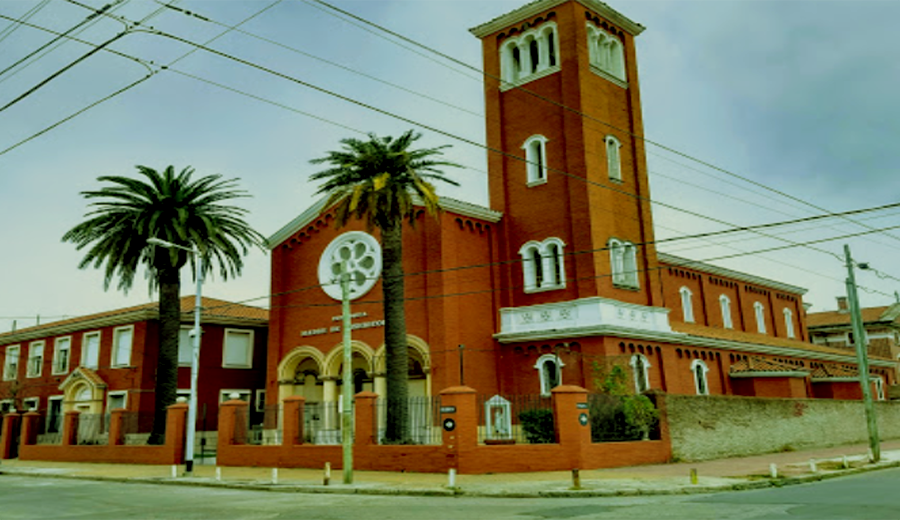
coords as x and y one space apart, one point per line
584 313
705 367
535 8
763 373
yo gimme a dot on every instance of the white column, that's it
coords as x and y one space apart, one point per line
329 397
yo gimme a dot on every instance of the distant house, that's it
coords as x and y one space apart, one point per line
100 362
882 325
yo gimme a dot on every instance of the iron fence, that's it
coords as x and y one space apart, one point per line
93 429
526 419
266 431
51 426
321 423
424 420
136 427
615 419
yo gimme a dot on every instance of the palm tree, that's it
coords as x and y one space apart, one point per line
180 210
379 181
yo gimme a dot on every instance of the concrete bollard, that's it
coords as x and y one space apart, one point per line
694 479
174 471
218 474
576 479
451 478
773 470
812 466
844 463
274 475
327 478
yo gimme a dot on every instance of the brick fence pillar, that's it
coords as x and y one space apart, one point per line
572 422
364 408
115 427
292 420
230 412
10 425
459 420
30 422
176 430
70 428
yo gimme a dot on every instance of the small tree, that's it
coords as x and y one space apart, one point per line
640 413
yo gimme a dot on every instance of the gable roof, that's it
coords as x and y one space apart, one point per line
836 318
213 310
533 8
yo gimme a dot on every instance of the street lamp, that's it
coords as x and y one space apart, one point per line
195 352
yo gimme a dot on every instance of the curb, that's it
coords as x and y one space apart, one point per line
458 492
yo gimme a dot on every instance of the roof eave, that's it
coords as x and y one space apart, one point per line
527 11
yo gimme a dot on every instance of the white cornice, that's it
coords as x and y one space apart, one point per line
539 6
465 209
728 273
682 339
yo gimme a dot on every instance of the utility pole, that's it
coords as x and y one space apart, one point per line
859 339
347 379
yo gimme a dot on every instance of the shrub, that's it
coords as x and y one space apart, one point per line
537 425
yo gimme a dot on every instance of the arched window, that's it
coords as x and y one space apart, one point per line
687 304
543 265
623 263
640 366
760 312
606 52
549 369
530 55
789 323
879 388
699 369
725 306
613 158
536 159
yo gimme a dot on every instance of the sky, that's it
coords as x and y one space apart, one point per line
754 111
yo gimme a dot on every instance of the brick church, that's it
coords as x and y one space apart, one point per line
560 275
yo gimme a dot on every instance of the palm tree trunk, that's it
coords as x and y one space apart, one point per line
167 362
396 349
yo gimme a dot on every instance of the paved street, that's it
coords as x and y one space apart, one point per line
865 496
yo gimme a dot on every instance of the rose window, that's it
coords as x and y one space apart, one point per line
362 255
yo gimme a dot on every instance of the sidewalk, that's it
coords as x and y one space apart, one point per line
716 475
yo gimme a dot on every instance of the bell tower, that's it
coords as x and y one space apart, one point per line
566 161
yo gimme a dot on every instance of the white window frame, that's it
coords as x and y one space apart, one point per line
542 376
11 362
39 347
251 346
879 388
687 304
759 310
704 369
548 259
260 403
114 352
535 160
110 395
245 394
613 157
789 323
7 404
606 54
55 369
645 364
85 338
623 263
190 346
183 392
725 307
515 72
31 404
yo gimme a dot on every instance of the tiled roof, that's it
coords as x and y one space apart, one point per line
830 318
752 337
213 309
759 364
834 371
